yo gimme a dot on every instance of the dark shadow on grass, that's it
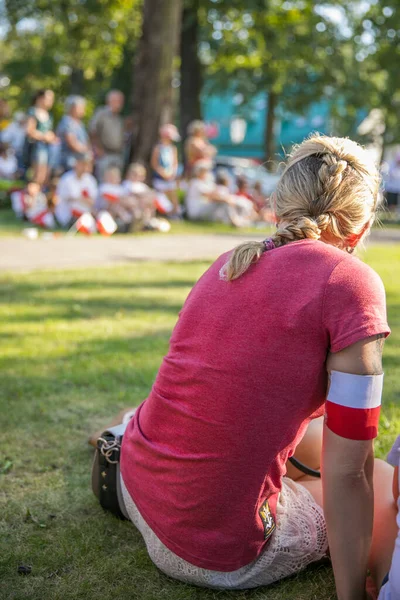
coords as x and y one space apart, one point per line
77 309
93 284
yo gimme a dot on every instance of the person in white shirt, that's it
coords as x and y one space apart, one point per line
76 192
206 201
390 590
139 196
113 198
203 201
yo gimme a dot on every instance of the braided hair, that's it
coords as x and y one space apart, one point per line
329 190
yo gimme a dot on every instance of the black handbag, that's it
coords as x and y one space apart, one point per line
106 477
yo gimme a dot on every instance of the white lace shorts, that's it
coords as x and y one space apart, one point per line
299 539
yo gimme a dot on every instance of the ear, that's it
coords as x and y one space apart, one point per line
353 240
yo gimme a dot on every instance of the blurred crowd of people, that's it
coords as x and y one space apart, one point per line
77 173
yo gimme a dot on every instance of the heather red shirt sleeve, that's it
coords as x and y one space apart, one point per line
354 304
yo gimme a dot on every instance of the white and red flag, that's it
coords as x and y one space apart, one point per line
85 224
162 204
105 223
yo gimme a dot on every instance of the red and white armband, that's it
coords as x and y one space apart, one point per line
353 405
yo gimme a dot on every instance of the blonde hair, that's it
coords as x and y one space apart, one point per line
195 127
112 172
136 169
329 190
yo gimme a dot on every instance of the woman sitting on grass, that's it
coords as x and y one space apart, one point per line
274 335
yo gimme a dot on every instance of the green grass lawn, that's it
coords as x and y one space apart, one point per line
10 225
77 346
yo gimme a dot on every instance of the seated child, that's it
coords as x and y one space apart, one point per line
391 589
135 179
243 188
112 197
259 199
31 204
222 183
139 197
76 192
244 201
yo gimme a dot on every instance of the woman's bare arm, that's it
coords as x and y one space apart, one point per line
74 143
32 132
156 166
347 471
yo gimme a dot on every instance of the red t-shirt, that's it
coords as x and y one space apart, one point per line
204 456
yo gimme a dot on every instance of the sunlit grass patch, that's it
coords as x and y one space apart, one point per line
77 346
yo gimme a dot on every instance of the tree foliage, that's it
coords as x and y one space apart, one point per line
68 45
378 56
294 51
290 50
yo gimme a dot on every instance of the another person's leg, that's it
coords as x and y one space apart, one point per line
40 164
120 213
385 527
309 450
384 533
385 511
172 196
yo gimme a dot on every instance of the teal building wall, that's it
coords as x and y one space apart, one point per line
290 128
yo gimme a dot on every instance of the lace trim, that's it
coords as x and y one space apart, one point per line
300 539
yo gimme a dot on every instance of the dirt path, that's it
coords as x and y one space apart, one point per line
21 254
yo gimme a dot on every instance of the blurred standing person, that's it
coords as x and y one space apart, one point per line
164 162
14 134
40 136
107 133
197 146
72 132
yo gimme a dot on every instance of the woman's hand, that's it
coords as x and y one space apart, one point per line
50 137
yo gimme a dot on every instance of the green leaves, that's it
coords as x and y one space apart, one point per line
86 35
273 45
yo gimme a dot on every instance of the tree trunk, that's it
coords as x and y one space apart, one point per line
153 70
191 74
270 157
77 82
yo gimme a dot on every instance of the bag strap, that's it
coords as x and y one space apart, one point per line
109 450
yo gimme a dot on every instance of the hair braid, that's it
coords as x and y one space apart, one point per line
302 228
331 173
329 190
